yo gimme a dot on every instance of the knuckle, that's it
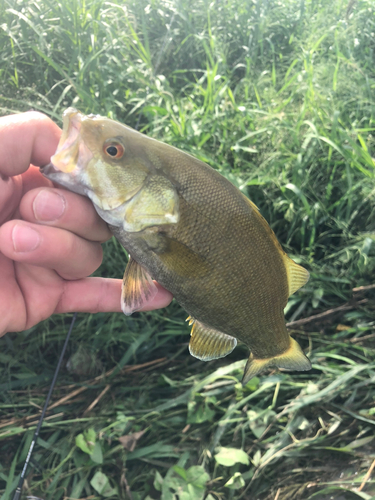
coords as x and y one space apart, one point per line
37 116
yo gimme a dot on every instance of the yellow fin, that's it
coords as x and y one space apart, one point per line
190 319
297 275
206 343
183 260
137 288
292 359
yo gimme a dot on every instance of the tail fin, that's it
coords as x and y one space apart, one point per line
291 359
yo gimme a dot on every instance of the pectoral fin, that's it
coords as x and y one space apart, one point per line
206 343
183 261
137 288
297 275
292 359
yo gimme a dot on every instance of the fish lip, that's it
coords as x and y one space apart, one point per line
67 152
52 173
72 121
62 179
71 153
48 169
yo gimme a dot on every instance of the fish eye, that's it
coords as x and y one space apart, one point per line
114 150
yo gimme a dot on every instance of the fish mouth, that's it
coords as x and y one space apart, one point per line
71 151
48 170
71 157
63 179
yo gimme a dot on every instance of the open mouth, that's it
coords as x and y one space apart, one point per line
48 169
68 150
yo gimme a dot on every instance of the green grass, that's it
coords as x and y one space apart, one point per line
279 97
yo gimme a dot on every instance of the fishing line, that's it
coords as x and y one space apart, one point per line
18 491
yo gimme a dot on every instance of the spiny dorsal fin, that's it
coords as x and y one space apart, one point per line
297 275
137 288
292 359
206 343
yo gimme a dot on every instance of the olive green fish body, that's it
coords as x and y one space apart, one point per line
244 296
191 230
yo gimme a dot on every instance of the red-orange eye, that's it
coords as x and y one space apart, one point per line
114 150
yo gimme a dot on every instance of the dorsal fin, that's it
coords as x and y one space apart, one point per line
297 275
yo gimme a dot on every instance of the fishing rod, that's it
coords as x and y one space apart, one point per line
17 494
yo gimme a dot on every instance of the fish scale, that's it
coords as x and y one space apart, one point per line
190 229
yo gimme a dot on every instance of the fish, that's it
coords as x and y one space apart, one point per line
190 229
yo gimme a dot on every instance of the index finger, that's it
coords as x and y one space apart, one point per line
26 138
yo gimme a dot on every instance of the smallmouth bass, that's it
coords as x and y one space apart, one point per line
191 230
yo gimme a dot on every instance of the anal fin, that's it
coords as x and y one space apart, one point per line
292 359
137 288
207 343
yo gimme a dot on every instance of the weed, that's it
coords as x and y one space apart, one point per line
278 96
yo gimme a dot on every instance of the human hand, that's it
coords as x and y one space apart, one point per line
49 237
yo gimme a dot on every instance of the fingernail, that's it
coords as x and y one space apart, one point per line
48 206
25 239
